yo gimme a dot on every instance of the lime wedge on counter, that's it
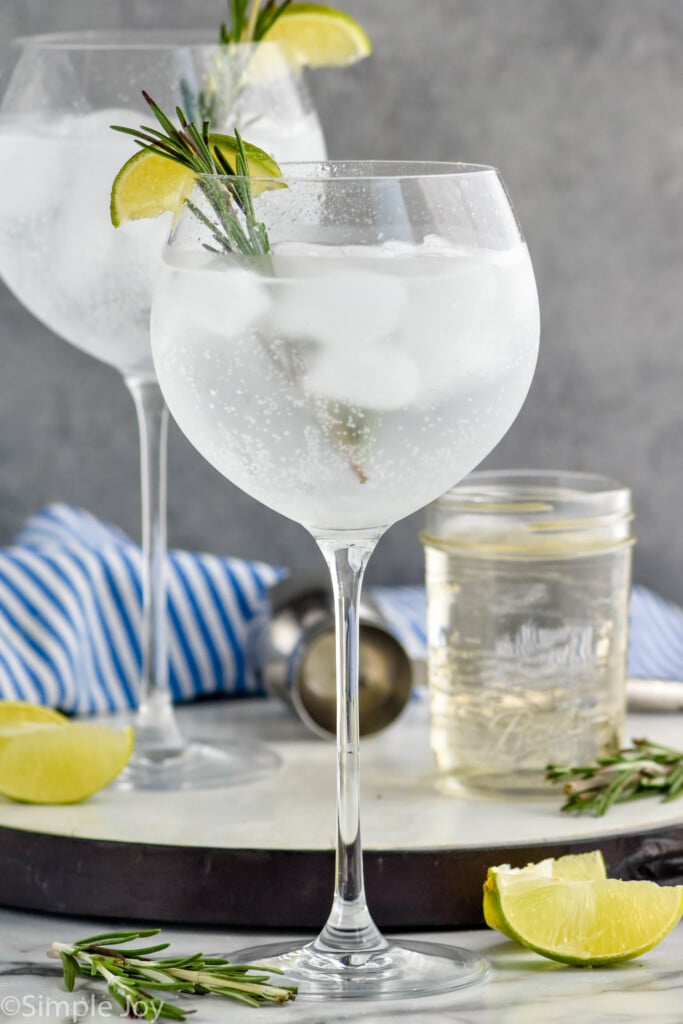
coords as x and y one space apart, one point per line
50 763
317 36
149 184
573 867
20 714
588 923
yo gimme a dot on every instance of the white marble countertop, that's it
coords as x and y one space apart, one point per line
523 988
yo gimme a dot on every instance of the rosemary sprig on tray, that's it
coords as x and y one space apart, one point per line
133 976
644 769
236 229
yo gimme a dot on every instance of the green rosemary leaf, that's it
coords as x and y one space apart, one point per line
69 968
675 783
247 24
239 12
223 241
143 950
190 99
241 997
201 147
269 15
644 769
119 998
133 979
151 139
224 165
190 146
243 195
135 132
249 31
113 938
163 119
172 1012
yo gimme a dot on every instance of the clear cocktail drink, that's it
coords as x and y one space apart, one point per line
89 282
347 386
92 283
344 344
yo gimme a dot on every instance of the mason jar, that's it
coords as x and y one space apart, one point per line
528 578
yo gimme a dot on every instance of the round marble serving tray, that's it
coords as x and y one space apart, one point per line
261 855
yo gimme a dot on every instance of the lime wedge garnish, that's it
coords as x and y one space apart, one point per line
588 923
573 867
150 184
61 764
319 36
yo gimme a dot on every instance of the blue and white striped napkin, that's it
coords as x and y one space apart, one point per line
70 612
70 615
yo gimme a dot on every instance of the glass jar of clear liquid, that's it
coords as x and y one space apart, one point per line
528 578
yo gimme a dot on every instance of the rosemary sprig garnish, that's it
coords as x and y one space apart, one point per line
645 769
133 976
244 25
236 229
249 25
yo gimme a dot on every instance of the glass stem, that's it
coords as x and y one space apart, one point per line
349 928
156 732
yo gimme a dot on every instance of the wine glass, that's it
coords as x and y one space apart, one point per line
345 379
92 284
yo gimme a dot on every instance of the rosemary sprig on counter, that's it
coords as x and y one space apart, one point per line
191 146
644 769
132 976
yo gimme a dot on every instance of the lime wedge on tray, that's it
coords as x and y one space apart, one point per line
20 714
47 759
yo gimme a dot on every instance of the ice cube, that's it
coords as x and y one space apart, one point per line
139 245
88 249
35 168
436 244
225 302
377 377
341 309
97 126
449 328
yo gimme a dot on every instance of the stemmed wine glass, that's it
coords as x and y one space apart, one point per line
345 378
92 284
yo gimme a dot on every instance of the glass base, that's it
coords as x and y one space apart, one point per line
198 766
402 970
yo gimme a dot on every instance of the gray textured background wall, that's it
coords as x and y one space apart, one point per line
580 103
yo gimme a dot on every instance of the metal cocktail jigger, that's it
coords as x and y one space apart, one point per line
293 654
